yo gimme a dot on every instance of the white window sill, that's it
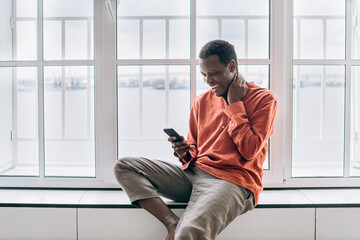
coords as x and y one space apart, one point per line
295 198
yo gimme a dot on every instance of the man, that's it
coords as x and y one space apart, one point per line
221 159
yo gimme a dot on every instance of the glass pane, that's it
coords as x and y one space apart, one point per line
355 123
310 39
153 8
157 29
179 39
335 39
236 38
77 42
245 24
319 7
69 121
355 30
206 30
68 29
18 37
128 39
19 122
179 99
128 102
319 30
154 39
318 121
25 8
232 7
259 74
52 40
67 8
6 31
151 98
26 45
258 39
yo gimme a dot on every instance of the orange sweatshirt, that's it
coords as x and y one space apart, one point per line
231 140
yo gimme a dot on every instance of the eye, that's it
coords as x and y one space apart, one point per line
213 73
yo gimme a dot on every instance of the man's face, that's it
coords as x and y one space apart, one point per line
217 75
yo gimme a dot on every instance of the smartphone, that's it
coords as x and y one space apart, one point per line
172 133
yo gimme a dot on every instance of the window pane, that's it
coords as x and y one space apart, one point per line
68 29
232 7
258 39
245 24
25 8
69 121
52 40
18 37
319 30
19 119
128 39
355 30
67 8
76 40
355 123
206 30
153 8
153 30
236 38
154 39
311 39
179 39
318 121
319 7
335 39
151 98
26 45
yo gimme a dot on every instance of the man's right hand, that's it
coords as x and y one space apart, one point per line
181 148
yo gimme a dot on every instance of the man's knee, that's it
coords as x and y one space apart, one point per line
122 164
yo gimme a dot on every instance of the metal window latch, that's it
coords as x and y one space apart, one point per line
354 21
12 132
12 22
285 175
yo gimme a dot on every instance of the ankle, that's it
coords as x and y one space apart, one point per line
171 222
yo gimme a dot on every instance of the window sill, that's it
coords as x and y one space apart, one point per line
296 198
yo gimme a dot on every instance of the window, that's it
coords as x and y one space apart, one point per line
86 82
48 106
325 88
157 93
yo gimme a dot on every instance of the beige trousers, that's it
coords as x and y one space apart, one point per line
212 202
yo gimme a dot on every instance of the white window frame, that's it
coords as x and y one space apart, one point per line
346 180
105 63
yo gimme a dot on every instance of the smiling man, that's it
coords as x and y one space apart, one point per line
222 158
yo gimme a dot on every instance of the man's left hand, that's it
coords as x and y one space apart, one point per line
237 89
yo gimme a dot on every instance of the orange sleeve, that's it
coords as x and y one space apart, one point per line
251 135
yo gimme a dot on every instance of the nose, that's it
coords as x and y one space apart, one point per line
207 79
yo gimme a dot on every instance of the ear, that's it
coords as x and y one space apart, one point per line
232 66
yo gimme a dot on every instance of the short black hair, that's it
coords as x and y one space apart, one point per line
223 49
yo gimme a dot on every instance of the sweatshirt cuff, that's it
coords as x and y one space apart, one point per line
235 108
193 155
237 114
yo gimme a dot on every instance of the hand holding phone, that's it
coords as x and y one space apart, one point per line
172 133
180 145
